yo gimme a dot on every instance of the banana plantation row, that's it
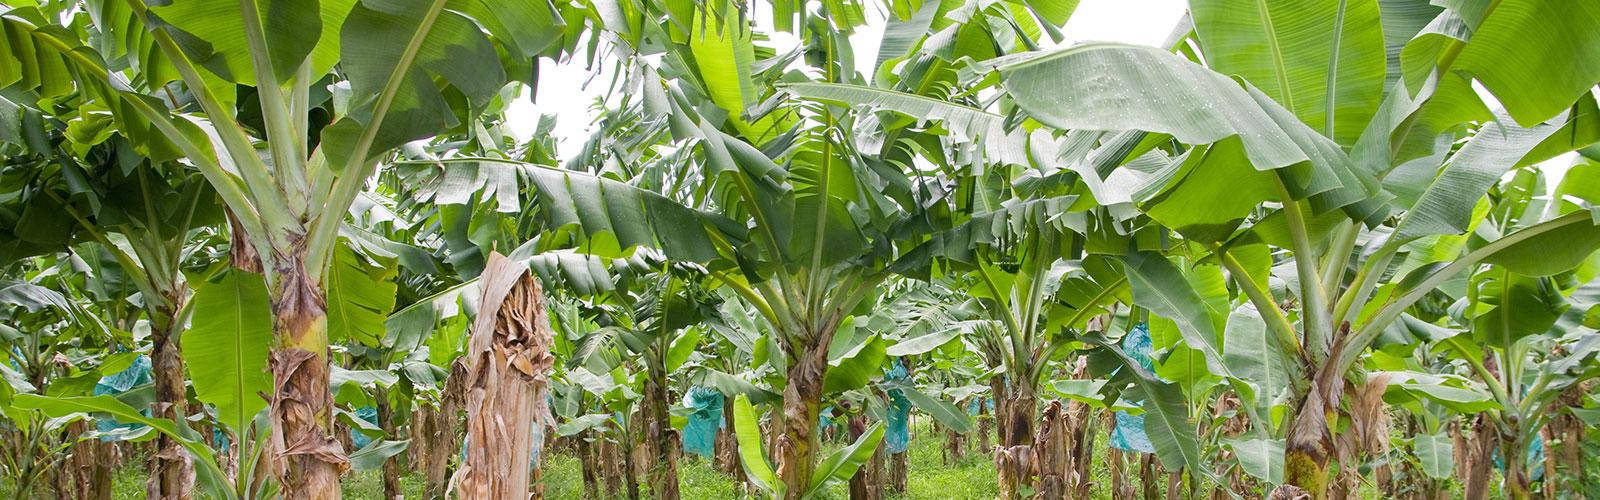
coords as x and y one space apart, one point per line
1300 249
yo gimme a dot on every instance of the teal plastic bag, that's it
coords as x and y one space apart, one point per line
136 374
1129 435
897 437
700 433
359 439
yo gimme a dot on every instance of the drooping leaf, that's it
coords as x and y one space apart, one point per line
947 413
360 297
748 432
843 463
225 348
1261 458
376 453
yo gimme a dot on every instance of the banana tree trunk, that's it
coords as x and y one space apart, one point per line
506 384
898 470
611 468
1149 473
728 447
1014 458
587 465
86 472
1080 427
391 466
1564 463
440 433
308 459
985 423
663 439
1514 453
1052 453
954 443
802 396
997 389
864 485
1474 468
171 468
1310 447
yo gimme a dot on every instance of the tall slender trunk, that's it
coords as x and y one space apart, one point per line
728 447
510 361
1080 435
434 436
308 459
171 467
997 388
985 423
955 443
659 432
587 465
391 466
863 485
1474 468
610 457
802 395
1564 462
1149 472
86 472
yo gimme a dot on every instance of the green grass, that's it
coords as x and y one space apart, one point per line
972 477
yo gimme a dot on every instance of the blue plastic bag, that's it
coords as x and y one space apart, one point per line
1129 433
700 433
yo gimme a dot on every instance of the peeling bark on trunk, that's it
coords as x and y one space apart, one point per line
797 446
509 356
587 465
609 456
1081 428
87 471
898 470
1310 445
662 438
955 442
308 460
1149 473
171 468
1564 464
1474 466
436 432
1014 458
1080 439
391 466
727 447
1052 453
865 484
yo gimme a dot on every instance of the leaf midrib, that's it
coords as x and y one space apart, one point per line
1277 53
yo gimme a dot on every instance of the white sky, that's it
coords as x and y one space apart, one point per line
568 91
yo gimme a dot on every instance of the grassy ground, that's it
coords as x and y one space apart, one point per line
972 477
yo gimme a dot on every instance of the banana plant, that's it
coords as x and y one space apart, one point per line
405 69
81 179
1316 154
1529 336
